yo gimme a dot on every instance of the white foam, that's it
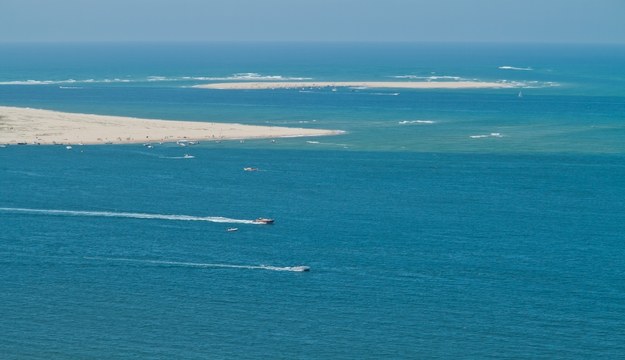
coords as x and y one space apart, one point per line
299 268
67 81
408 122
216 219
36 82
535 84
158 78
506 67
245 77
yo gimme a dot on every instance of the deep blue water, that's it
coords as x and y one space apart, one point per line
423 241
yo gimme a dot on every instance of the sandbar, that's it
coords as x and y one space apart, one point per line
45 127
356 84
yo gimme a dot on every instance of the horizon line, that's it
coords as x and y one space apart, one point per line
451 42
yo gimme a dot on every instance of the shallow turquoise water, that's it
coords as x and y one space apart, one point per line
423 242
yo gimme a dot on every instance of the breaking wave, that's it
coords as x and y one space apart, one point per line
150 79
66 81
299 268
216 219
247 77
529 84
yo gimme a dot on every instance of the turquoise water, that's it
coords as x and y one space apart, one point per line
464 223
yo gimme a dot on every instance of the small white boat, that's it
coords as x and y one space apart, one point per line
187 156
232 229
264 221
68 147
299 268
250 169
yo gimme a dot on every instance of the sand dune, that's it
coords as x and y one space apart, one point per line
33 126
365 84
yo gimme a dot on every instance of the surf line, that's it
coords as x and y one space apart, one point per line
205 265
217 219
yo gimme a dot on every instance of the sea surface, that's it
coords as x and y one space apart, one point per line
444 224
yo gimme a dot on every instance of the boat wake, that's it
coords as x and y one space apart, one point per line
496 135
216 219
177 157
418 122
204 265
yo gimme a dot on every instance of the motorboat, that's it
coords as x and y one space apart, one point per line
250 169
264 221
299 268
232 229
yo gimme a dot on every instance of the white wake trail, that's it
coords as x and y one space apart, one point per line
216 219
205 265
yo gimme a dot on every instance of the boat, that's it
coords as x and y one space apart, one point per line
250 169
299 268
520 94
264 221
232 229
187 156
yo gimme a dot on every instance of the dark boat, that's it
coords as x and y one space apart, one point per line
264 221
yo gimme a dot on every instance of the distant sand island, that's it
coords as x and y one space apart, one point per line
261 85
46 127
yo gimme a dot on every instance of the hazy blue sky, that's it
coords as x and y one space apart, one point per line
314 20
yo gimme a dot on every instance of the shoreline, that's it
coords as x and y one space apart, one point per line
27 126
265 85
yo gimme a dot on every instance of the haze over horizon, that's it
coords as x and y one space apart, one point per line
533 21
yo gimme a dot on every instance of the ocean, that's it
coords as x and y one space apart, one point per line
444 224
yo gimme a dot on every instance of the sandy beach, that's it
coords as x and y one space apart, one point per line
355 84
46 127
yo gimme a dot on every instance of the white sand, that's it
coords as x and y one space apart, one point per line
32 126
365 84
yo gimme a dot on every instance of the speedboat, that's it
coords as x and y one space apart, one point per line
299 268
264 221
187 156
250 169
231 229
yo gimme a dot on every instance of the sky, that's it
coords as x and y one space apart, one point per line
543 21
